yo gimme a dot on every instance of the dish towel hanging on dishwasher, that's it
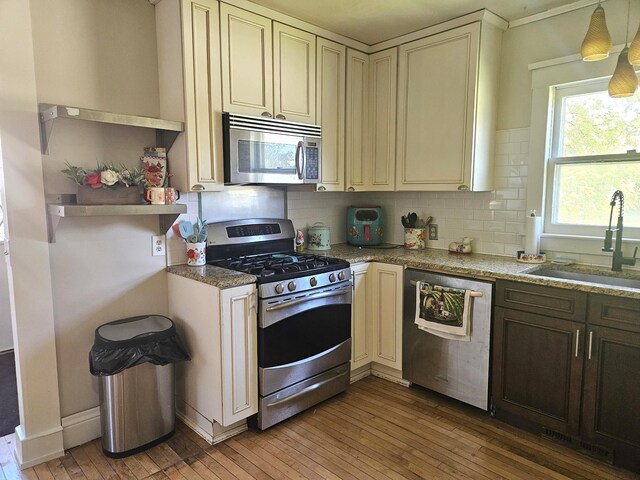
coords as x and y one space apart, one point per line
444 311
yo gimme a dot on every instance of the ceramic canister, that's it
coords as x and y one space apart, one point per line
319 237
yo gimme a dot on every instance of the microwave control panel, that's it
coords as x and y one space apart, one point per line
312 163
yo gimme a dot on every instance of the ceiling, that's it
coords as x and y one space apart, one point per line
373 21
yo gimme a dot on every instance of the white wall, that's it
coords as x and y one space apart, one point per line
550 38
97 54
6 336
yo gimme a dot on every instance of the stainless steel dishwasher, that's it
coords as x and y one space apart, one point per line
458 369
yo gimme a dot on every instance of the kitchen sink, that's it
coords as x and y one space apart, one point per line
617 281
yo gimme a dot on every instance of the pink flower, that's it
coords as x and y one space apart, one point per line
93 180
191 253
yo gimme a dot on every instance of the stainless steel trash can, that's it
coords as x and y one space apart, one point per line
134 359
137 408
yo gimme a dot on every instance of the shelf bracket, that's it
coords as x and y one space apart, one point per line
166 220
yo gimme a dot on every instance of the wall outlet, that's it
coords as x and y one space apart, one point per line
433 231
158 245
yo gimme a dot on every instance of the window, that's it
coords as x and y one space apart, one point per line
595 150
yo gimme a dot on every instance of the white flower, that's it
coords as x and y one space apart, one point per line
108 177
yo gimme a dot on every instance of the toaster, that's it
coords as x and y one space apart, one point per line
365 226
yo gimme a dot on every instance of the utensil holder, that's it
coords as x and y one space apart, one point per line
414 238
196 253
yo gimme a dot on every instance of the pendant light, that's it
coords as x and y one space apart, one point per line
597 42
634 49
624 82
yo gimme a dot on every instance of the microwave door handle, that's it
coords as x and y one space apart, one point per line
299 155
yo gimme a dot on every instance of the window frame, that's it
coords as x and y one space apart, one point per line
556 117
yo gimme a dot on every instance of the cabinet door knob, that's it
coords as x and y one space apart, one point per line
321 188
351 189
266 114
197 186
281 116
463 187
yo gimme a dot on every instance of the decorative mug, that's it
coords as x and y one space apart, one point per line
155 195
414 238
171 195
196 253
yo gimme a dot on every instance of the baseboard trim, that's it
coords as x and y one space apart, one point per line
389 374
81 427
210 430
30 451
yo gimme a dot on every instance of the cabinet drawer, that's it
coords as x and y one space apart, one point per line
554 302
615 312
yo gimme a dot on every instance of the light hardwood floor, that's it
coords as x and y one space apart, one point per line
375 430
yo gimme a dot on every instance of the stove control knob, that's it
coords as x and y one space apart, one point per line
279 288
313 281
341 276
291 286
332 277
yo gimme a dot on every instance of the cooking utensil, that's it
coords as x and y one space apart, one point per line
413 218
186 229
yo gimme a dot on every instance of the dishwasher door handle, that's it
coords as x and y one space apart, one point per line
472 293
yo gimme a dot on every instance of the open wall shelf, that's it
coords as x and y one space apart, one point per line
167 213
166 130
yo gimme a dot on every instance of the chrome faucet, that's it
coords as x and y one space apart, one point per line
618 259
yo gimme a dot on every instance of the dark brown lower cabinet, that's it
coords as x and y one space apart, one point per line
538 369
611 400
574 376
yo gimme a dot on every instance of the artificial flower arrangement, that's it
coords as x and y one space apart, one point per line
105 176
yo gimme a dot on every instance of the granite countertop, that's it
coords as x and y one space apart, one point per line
474 265
481 266
216 276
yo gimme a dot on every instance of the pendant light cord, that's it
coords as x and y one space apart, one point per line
626 35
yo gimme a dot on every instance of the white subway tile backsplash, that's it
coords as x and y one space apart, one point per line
494 219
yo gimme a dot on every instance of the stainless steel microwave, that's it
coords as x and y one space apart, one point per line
265 150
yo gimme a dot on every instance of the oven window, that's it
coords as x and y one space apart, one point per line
266 157
303 335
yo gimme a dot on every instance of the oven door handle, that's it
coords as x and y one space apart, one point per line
297 301
308 389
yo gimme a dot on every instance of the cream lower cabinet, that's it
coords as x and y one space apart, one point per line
219 386
377 315
361 325
386 314
447 102
330 111
189 80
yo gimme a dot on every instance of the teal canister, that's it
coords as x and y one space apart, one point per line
365 226
319 237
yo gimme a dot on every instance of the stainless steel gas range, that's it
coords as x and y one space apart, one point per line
304 314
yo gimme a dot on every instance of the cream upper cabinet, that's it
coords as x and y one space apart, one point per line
361 325
192 93
268 69
357 121
446 109
247 75
294 74
330 110
371 120
386 314
380 169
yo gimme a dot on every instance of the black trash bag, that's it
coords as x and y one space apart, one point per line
132 341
